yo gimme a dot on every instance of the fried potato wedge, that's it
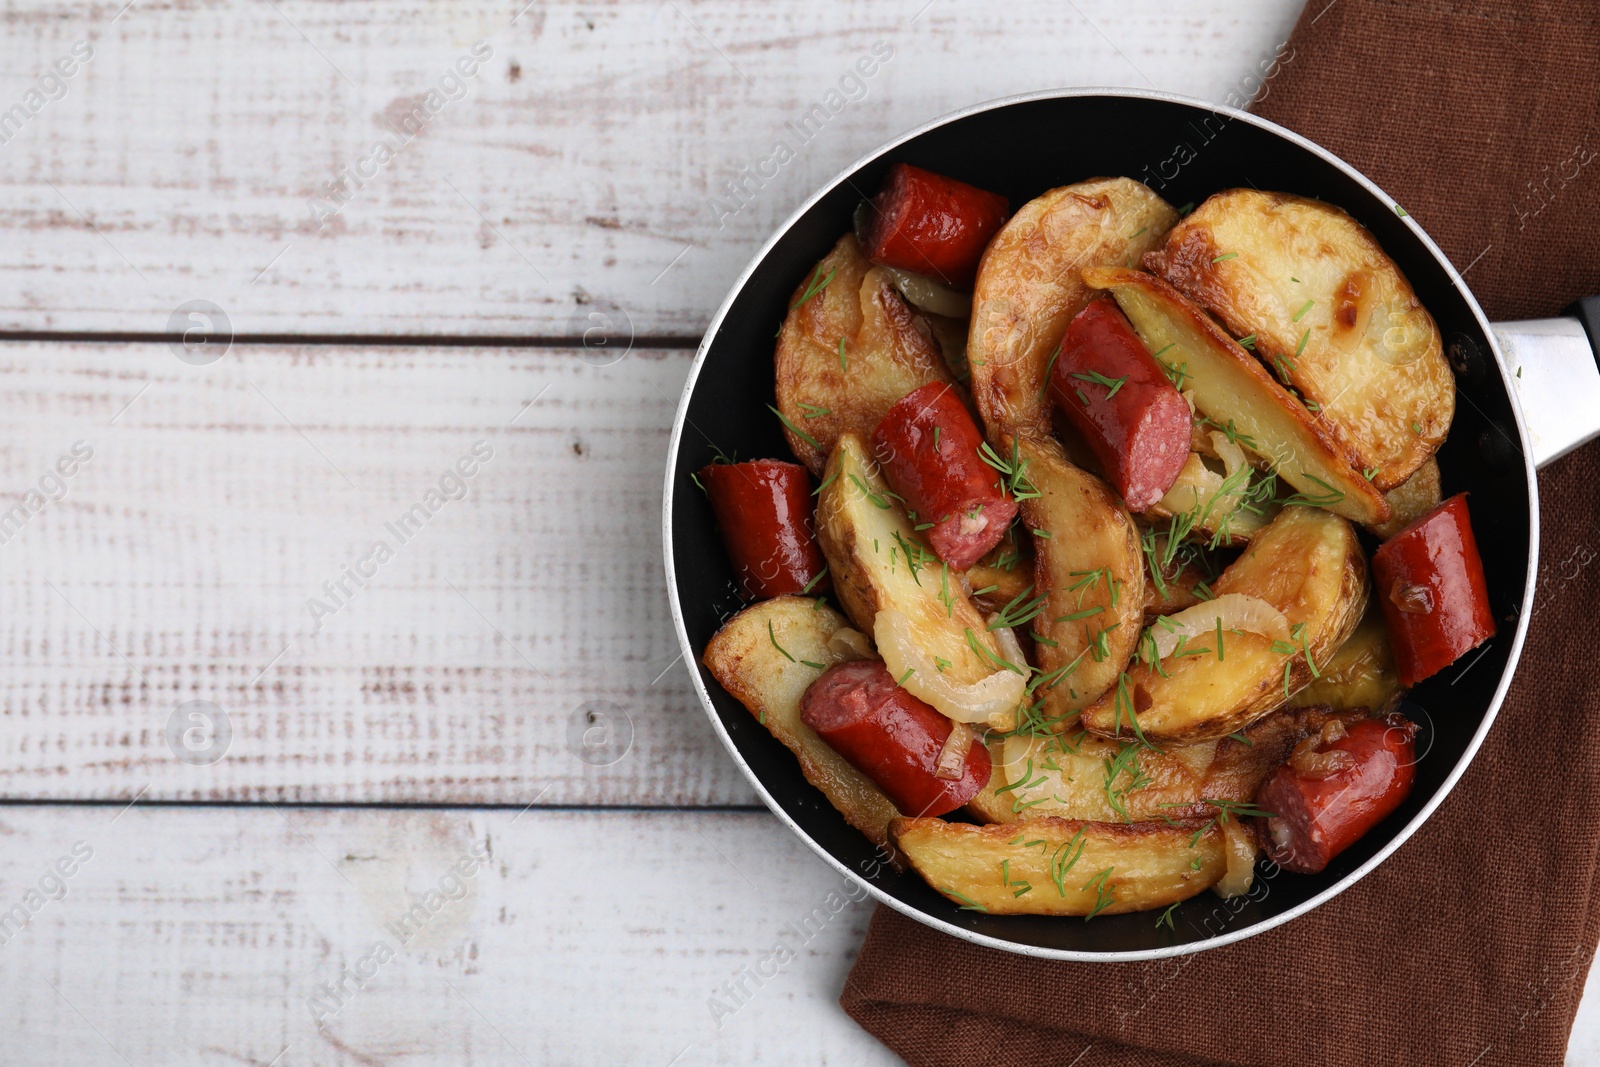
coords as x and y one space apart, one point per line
1330 311
825 390
878 563
1089 563
1361 673
1307 564
1028 289
1411 499
1077 776
1063 866
1228 385
747 658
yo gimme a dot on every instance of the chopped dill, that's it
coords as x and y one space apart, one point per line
1017 612
823 573
876 500
1103 895
1013 475
797 431
774 637
1112 384
969 905
813 287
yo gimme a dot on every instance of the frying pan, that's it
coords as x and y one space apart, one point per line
1505 425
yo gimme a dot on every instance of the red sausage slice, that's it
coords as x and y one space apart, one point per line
927 447
929 224
1335 788
891 737
1430 581
764 510
1115 393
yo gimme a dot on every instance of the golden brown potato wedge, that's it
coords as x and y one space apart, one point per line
1361 674
1410 500
1079 776
1308 565
767 656
1331 313
1028 289
823 389
1063 866
1228 385
879 564
1087 560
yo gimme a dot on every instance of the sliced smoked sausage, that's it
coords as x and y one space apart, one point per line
928 449
891 737
1117 396
1429 579
929 224
1334 788
764 509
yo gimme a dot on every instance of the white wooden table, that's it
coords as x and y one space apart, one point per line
382 841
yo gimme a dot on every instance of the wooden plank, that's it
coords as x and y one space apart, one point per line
207 936
182 560
576 171
194 936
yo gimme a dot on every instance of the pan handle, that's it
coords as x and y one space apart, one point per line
1555 366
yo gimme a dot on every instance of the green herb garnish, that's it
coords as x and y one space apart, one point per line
774 637
876 500
813 287
1016 612
1113 384
1326 499
1013 474
970 905
797 431
1103 895
813 582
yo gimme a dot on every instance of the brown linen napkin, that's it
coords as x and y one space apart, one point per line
1470 946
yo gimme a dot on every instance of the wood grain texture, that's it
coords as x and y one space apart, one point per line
207 937
180 563
577 168
575 176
